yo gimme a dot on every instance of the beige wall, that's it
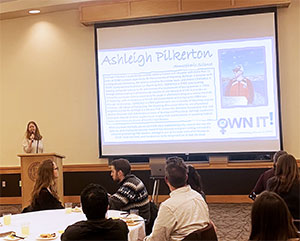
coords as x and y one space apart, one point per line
48 75
289 64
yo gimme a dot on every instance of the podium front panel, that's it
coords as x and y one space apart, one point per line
29 167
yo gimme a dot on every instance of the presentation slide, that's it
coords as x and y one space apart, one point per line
208 96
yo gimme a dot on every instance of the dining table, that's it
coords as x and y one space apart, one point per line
57 220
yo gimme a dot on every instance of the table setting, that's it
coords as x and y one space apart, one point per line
50 224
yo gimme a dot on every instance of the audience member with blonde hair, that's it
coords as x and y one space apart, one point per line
286 183
271 219
44 195
33 139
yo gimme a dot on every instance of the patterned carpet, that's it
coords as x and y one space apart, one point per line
13 209
232 220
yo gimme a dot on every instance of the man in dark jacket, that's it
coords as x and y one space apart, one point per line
94 201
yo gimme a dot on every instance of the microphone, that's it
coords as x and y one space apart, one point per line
32 136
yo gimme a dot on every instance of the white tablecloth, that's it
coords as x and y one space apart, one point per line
56 221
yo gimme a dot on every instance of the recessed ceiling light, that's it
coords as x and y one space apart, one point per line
34 11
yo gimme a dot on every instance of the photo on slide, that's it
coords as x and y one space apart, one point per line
243 77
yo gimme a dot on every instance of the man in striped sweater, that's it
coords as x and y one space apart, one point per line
132 193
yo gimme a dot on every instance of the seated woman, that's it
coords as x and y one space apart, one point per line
271 219
261 184
194 180
286 183
44 195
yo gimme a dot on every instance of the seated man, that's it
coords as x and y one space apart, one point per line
261 184
184 212
94 201
132 193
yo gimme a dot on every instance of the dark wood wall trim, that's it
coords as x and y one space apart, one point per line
209 198
161 198
222 183
10 170
10 200
137 167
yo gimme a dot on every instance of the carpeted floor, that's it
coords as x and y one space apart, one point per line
13 209
231 220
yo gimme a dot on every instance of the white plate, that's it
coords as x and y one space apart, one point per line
8 238
52 238
76 210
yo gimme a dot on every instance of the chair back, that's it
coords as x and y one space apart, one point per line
207 233
153 215
297 224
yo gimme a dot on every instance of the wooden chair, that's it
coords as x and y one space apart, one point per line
297 224
207 233
153 215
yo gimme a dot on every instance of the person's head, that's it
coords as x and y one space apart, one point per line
287 172
238 70
276 157
194 179
176 172
119 169
32 128
94 201
47 174
271 219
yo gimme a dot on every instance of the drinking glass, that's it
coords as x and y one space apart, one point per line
6 218
25 229
68 208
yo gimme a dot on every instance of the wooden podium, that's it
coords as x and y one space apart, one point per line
29 167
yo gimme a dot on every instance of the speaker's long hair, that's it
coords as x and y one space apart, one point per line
37 135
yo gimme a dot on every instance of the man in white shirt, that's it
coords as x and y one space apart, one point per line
184 212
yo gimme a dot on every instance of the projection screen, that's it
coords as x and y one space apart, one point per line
206 85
